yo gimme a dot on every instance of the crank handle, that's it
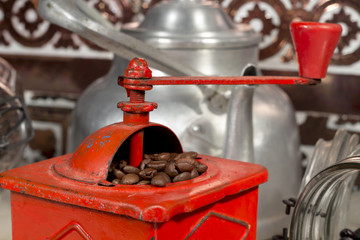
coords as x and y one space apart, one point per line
204 80
314 44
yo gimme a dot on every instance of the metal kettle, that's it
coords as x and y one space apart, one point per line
198 34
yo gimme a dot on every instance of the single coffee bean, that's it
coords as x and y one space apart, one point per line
147 173
201 168
112 166
130 179
154 156
194 173
143 182
191 154
144 163
171 170
184 167
159 181
131 169
346 233
151 156
147 156
180 155
118 173
166 177
173 155
158 165
122 164
182 177
164 156
186 160
116 181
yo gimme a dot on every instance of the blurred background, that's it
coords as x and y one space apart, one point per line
54 65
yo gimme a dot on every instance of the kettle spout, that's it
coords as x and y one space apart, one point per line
239 141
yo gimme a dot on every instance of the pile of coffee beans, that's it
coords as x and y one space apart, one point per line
158 169
347 234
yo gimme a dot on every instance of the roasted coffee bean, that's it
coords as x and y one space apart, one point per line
182 177
164 156
159 180
147 173
112 166
122 164
131 169
180 155
144 163
118 173
147 156
191 154
201 168
171 170
194 173
168 179
154 157
186 155
186 160
173 155
116 181
158 165
346 233
143 182
151 156
184 167
130 179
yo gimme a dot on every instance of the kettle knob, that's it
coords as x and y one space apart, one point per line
314 44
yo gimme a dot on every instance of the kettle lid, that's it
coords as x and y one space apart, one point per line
191 24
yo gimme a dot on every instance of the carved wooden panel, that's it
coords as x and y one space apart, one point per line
19 23
276 15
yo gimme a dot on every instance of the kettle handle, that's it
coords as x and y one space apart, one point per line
78 17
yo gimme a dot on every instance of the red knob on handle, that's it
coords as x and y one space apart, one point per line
314 43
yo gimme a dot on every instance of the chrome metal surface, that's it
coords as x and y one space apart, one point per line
15 123
327 153
321 210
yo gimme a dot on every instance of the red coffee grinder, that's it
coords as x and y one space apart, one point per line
69 197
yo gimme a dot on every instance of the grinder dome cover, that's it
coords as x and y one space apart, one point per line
91 161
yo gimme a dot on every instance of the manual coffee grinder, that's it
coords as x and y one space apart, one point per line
70 197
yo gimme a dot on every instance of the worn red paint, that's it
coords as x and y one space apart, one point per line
202 80
179 206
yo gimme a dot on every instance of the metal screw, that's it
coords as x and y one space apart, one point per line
289 204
